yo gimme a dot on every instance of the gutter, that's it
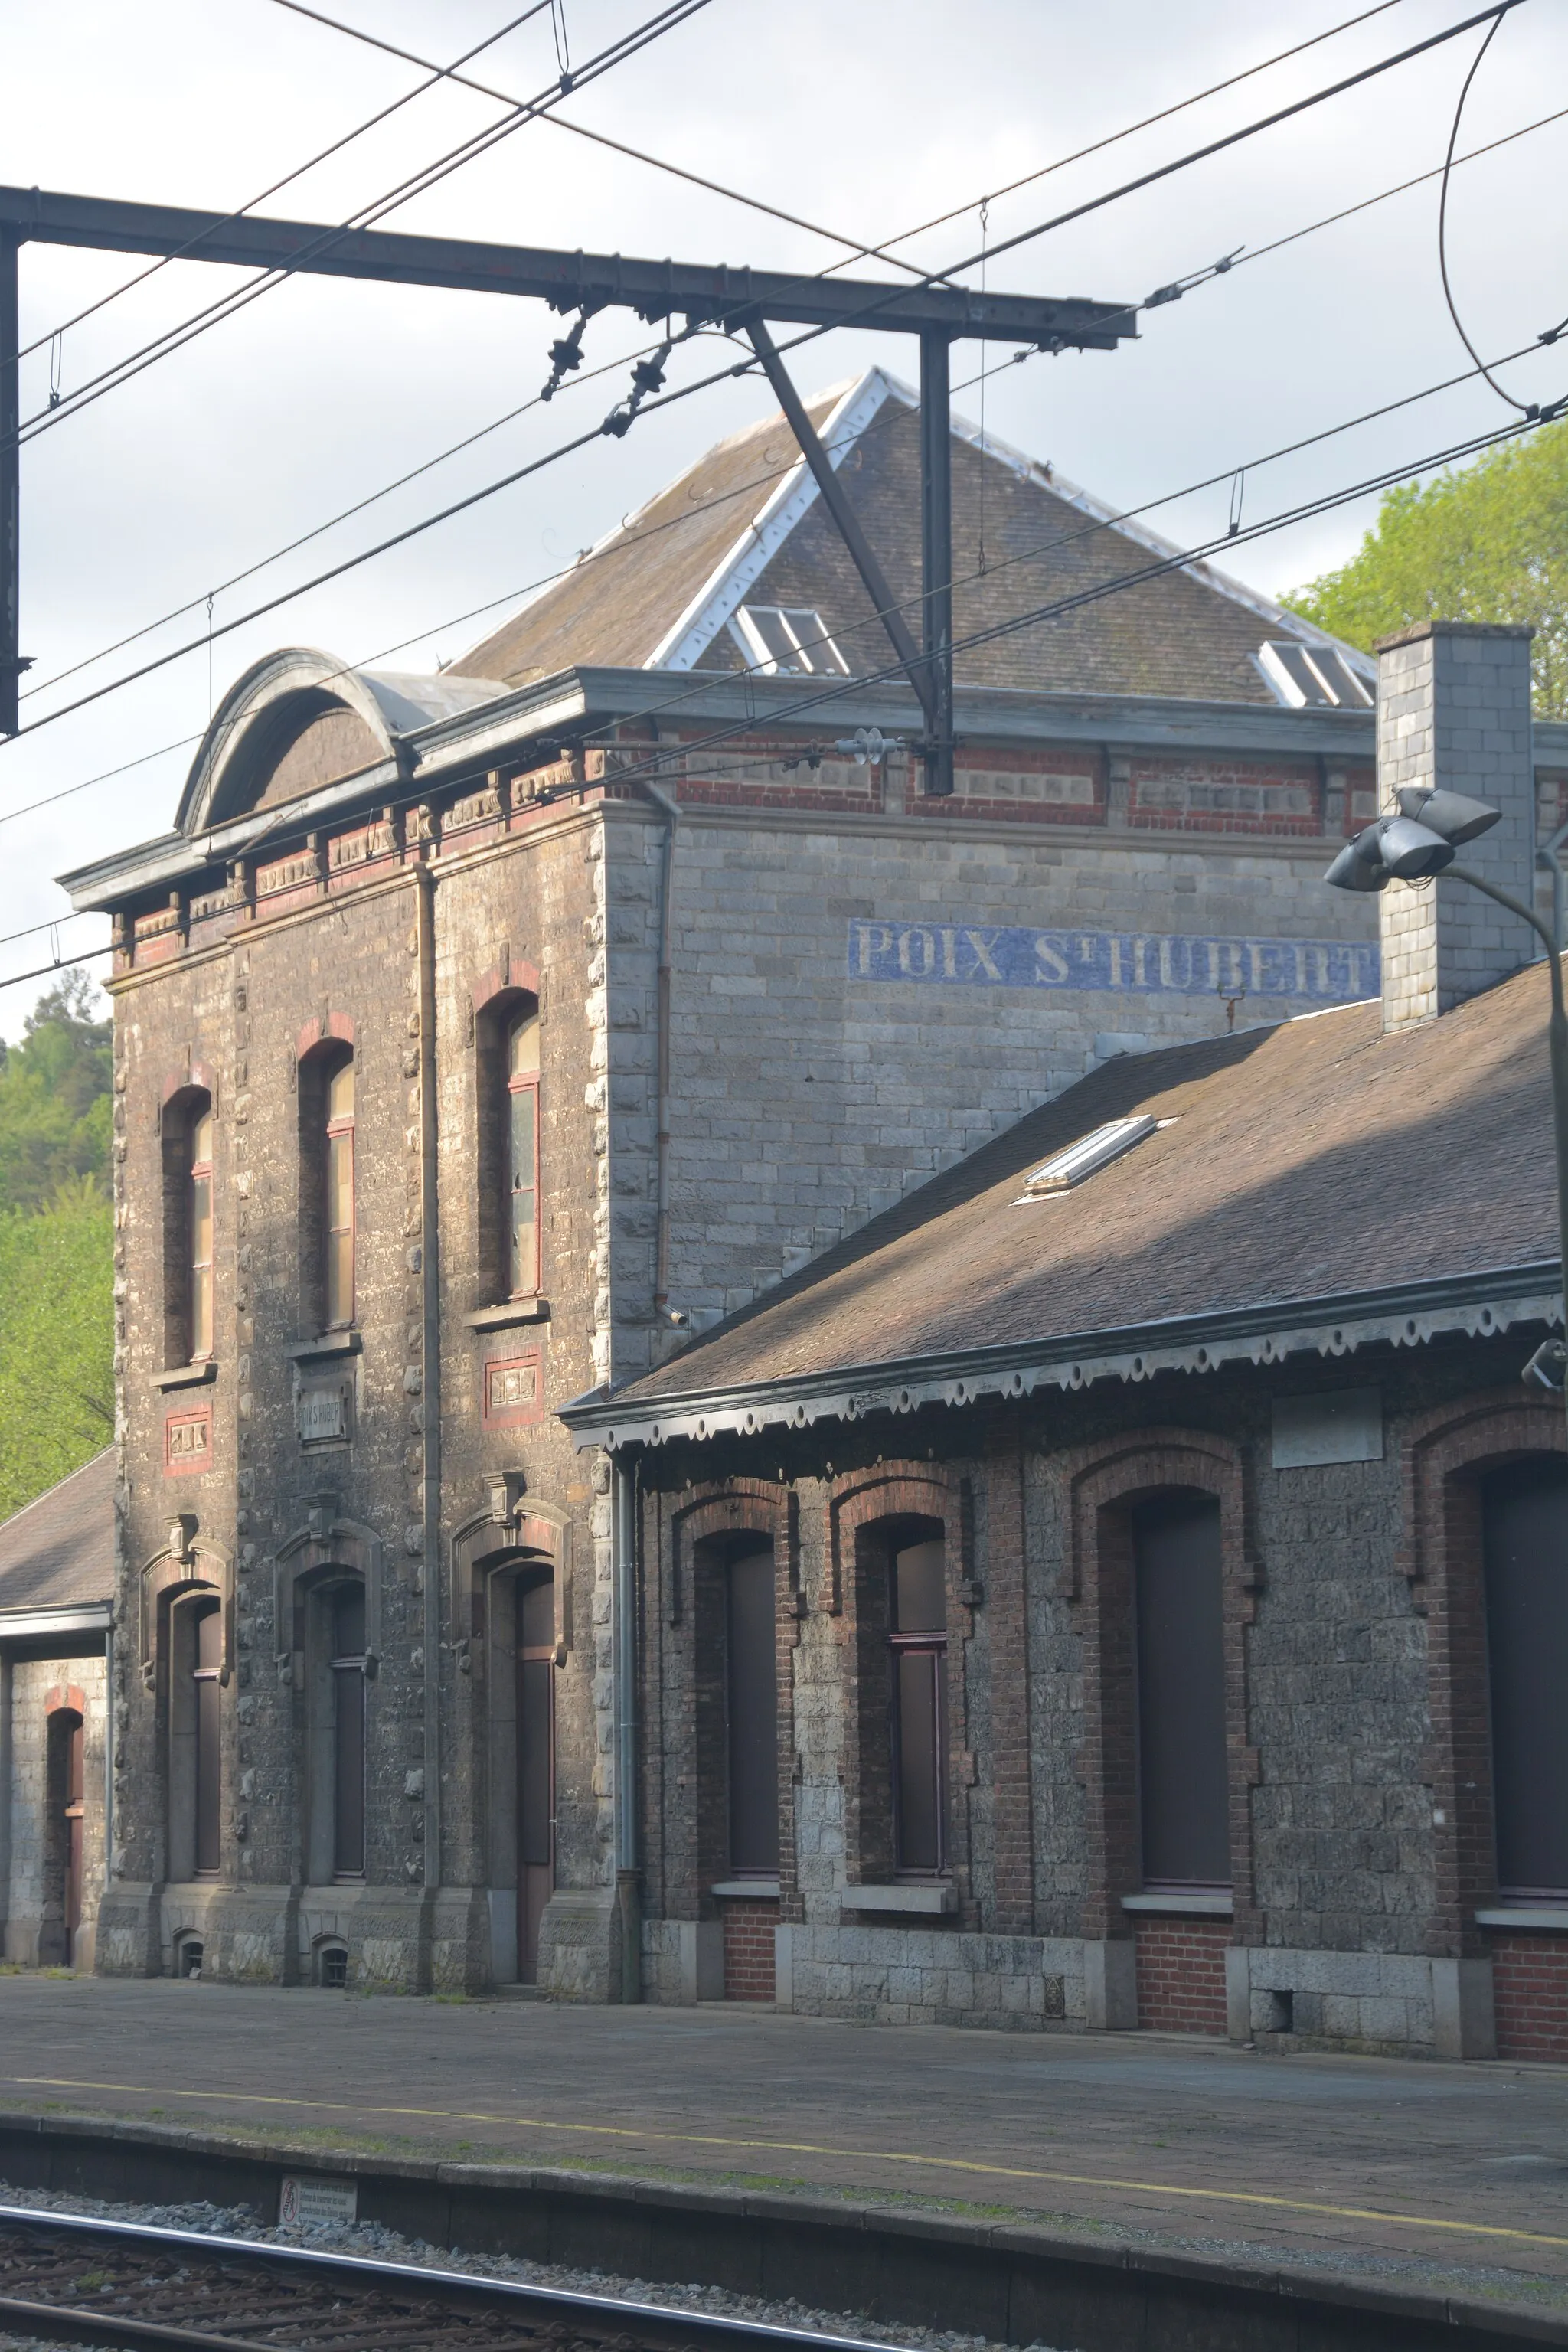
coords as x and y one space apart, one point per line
666 909
430 1369
1481 1306
34 1624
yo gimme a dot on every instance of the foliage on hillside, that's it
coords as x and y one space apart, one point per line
1489 542
55 1100
57 1244
56 1339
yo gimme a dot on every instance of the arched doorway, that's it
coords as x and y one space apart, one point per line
535 1648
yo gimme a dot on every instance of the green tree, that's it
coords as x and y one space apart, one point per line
56 1339
55 1100
1486 542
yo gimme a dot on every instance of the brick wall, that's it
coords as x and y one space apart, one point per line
749 1950
1181 1975
1530 1978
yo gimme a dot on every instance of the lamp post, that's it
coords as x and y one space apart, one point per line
1417 845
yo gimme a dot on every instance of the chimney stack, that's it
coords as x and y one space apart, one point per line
1453 710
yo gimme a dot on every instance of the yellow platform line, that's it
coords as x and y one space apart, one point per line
811 2148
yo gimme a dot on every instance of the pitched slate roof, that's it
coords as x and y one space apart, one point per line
746 524
1315 1160
58 1551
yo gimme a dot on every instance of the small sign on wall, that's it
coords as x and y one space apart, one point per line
305 2201
514 1391
188 1442
323 1413
1331 1425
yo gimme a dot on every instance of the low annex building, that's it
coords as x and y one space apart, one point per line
480 1037
56 1597
1126 1584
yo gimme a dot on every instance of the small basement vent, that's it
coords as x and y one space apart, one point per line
1313 677
1095 1151
787 641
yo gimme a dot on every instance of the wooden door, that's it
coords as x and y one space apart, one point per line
74 1779
535 1768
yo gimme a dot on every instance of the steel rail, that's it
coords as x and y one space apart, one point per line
607 2318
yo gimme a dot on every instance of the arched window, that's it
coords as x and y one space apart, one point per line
752 1709
347 1666
1183 1776
188 1141
522 1154
206 1666
916 1637
199 1234
338 1188
1525 1518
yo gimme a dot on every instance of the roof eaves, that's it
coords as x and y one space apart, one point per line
1407 1315
787 504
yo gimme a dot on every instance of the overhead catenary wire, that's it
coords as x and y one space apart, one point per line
668 19
601 139
435 74
1521 407
610 367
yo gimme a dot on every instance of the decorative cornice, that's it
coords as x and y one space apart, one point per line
1405 1316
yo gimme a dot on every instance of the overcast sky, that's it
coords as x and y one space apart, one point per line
865 117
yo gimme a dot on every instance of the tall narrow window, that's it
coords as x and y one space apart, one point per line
1526 1551
338 1234
918 1639
199 1234
522 1153
753 1717
535 1767
1182 1779
348 1663
205 1670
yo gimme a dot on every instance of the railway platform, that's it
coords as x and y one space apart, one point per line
1442 2179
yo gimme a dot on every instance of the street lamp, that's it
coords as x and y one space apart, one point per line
1416 844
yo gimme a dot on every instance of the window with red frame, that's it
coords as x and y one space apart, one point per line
338 1177
522 1154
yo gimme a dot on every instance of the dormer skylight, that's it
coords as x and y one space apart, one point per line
787 641
1093 1151
1312 677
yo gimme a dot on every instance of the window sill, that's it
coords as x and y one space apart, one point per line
1553 1916
749 1890
931 1901
514 1311
1190 1907
187 1376
322 1349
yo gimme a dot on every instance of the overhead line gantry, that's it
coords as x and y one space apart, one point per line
740 300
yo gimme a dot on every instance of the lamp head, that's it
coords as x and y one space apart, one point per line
1455 817
1359 866
1412 852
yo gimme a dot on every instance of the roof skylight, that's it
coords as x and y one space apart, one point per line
787 641
1312 677
1091 1151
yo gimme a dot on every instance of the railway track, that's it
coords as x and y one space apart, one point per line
70 2279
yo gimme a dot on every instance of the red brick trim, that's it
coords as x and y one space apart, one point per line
1103 1482
1529 1984
1007 1626
1181 1976
1445 1454
191 1076
324 1030
64 1697
749 1950
513 976
860 1500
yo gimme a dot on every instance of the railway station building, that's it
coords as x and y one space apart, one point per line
493 1039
